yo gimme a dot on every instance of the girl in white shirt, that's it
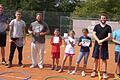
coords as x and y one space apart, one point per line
69 50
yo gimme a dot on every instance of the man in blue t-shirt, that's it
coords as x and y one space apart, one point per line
116 39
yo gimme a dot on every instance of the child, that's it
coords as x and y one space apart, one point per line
69 50
56 42
116 39
17 32
85 43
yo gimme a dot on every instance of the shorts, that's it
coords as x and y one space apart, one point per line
103 54
117 55
68 54
2 39
56 55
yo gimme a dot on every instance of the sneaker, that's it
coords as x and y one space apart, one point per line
105 76
83 73
69 71
32 66
40 66
61 70
73 72
52 68
21 65
93 74
3 62
9 65
56 68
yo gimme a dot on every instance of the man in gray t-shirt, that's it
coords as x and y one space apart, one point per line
38 29
3 27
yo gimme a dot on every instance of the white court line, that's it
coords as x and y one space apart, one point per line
17 77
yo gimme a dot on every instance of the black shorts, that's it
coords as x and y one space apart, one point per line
117 55
2 39
103 55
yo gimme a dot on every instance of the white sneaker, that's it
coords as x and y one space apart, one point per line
32 66
40 66
69 71
83 73
105 75
93 74
73 72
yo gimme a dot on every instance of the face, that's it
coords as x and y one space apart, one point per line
1 9
85 33
103 19
18 15
72 34
56 33
39 18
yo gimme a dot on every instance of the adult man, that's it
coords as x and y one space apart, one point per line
17 33
3 27
38 29
101 33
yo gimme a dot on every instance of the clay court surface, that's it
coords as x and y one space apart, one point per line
41 74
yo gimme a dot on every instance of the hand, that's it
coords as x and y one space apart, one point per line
42 33
80 44
10 40
100 42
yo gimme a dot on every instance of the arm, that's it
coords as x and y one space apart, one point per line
117 42
45 30
95 37
105 39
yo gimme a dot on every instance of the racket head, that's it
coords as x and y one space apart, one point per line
20 42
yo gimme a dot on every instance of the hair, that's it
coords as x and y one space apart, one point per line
85 29
103 14
1 5
57 29
40 14
19 11
71 31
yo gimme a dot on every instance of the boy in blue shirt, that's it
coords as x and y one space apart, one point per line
116 39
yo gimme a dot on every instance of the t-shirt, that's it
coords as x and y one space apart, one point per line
102 32
37 28
17 28
3 23
116 36
86 43
69 49
56 46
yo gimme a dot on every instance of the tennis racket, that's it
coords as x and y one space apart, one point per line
116 76
19 41
99 76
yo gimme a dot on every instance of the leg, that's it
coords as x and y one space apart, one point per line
53 63
70 63
12 50
104 62
104 65
95 65
33 54
57 62
41 54
79 58
20 49
63 62
3 52
86 55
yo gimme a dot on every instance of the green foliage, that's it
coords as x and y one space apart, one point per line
92 8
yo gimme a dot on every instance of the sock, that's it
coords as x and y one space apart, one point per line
3 59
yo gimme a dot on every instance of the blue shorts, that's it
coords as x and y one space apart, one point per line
103 53
117 56
2 39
